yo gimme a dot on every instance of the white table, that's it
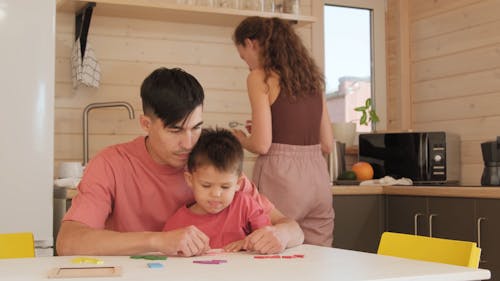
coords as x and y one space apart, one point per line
318 264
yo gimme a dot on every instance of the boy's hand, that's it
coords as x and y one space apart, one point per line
264 240
235 246
188 241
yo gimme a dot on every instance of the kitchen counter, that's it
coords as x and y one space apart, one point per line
438 191
339 190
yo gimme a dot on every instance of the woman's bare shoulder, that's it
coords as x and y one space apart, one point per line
256 75
259 76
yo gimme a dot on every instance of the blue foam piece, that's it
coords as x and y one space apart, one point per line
155 265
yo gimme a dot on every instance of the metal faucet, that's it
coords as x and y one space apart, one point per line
86 111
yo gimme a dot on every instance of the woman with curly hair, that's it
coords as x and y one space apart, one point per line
290 124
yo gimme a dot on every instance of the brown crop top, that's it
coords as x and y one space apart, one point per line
296 122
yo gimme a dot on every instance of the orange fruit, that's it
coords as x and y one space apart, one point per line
363 171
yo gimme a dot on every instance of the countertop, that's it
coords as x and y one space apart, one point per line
339 190
440 191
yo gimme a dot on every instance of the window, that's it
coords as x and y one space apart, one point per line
349 44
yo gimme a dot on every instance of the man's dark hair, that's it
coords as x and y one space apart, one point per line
171 95
219 148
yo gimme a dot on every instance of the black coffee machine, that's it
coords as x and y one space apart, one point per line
491 157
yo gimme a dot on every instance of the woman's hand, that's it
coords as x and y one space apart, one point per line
240 135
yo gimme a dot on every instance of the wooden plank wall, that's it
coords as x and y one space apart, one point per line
128 50
455 73
394 57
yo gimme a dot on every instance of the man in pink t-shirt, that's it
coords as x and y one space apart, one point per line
128 191
225 214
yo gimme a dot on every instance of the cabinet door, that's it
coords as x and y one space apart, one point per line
359 222
407 214
451 218
488 210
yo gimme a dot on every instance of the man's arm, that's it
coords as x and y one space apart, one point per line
76 238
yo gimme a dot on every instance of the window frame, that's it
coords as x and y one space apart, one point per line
378 52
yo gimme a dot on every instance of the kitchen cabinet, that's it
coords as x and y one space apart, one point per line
454 218
442 217
465 213
170 11
488 223
359 222
403 212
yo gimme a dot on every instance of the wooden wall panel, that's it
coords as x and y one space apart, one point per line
423 9
469 84
455 42
132 73
484 128
162 50
455 72
450 16
465 62
471 174
457 108
393 57
128 50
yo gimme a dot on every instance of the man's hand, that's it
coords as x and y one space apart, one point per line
265 240
188 241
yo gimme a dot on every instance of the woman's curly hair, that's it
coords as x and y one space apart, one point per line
283 52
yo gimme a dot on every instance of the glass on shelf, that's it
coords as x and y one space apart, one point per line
268 6
278 6
186 2
255 5
206 3
291 6
231 4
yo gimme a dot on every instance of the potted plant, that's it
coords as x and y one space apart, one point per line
368 113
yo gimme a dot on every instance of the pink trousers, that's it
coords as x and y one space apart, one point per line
295 178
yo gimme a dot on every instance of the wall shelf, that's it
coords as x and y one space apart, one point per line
161 11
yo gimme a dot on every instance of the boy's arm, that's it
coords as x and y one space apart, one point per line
284 233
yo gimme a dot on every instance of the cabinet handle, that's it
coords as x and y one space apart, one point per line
479 220
415 222
430 223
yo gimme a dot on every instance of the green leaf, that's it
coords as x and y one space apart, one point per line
368 103
368 113
362 120
373 116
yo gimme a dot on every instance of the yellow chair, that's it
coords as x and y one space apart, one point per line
432 249
17 245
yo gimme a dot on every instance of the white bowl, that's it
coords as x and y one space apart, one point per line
70 170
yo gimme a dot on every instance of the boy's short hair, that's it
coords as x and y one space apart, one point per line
219 148
171 95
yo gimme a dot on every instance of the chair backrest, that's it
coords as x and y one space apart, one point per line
429 249
17 245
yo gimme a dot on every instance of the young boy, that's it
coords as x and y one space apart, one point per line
223 213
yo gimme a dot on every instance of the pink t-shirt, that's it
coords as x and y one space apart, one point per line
239 219
123 189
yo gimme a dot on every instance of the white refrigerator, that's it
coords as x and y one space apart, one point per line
27 59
